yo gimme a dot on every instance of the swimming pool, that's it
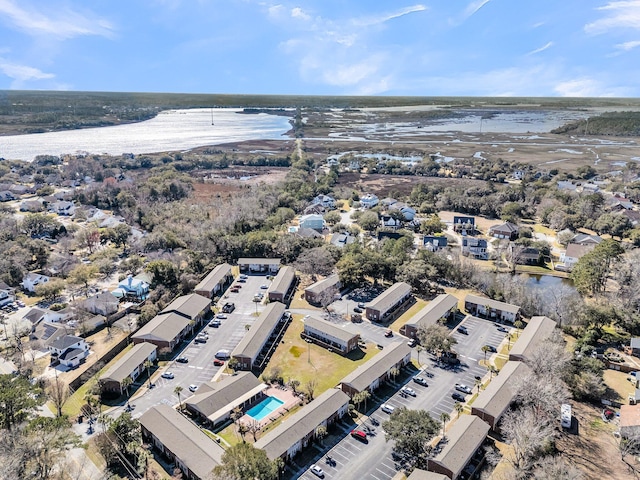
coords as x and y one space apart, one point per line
265 407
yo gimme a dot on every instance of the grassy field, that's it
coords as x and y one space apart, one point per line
406 316
303 361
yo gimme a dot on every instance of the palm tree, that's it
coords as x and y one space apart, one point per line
493 370
365 395
126 383
147 365
509 337
478 383
394 373
459 408
293 383
485 349
444 418
419 348
518 324
321 432
178 391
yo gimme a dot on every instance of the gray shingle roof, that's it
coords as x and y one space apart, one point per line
65 341
276 442
434 311
163 327
365 374
330 329
125 365
493 304
189 306
255 338
214 278
537 330
258 261
390 296
324 284
465 437
418 474
186 441
283 280
499 394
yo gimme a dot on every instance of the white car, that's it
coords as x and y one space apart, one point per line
193 388
168 375
221 316
387 408
317 471
463 388
409 391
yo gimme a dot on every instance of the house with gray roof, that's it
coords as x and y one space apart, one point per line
489 308
282 286
390 302
181 442
298 430
465 439
495 400
69 350
330 335
341 240
213 402
215 281
443 307
166 330
537 331
506 230
371 374
104 303
262 337
130 365
193 306
323 290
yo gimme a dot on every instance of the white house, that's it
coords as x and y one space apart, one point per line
325 200
63 207
104 303
312 221
31 280
69 350
7 294
369 200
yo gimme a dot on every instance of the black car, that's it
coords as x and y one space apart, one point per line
458 397
182 360
357 310
463 330
490 348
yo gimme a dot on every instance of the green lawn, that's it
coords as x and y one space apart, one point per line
303 361
406 316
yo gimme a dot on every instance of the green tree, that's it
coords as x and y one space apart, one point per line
51 289
83 275
126 383
411 430
244 462
444 418
332 218
178 391
459 408
485 349
432 225
436 338
37 224
164 273
591 272
369 221
18 398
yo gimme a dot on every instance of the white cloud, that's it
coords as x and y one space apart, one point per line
626 46
584 87
618 14
473 7
375 20
541 49
23 73
58 23
297 12
275 11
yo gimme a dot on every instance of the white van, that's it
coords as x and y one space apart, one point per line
223 354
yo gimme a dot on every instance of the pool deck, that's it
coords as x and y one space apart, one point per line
284 394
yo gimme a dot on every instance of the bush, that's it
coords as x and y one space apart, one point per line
56 307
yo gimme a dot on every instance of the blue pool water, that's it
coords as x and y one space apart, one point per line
264 408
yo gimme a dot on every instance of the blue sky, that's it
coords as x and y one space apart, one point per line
324 47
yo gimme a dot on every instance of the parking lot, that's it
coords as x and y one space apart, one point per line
373 460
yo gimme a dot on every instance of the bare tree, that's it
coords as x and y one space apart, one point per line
58 393
556 468
310 387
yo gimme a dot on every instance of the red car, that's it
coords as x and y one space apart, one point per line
359 435
218 363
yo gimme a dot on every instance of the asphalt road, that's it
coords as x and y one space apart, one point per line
200 368
354 459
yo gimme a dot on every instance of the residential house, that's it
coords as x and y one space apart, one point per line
63 207
262 337
634 347
323 291
387 221
589 188
101 304
630 421
48 333
462 452
215 282
441 308
259 265
341 240
69 350
586 239
632 215
305 232
497 397
32 206
312 221
371 374
464 225
283 285
475 247
537 331
567 185
325 200
180 442
36 315
133 288
505 230
131 365
617 203
407 212
31 280
574 252
330 335
299 430
214 401
433 243
368 200
314 209
6 196
391 301
166 331
522 255
489 308
7 294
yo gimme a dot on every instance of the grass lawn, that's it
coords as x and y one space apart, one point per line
406 316
617 381
304 361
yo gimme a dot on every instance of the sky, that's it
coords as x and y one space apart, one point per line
579 48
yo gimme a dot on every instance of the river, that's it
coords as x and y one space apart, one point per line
169 131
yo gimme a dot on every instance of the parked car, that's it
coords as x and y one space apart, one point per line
502 329
182 360
463 330
412 342
222 354
359 435
388 333
218 363
215 323
317 471
168 375
264 287
228 307
420 381
361 305
463 388
193 388
357 310
458 397
234 289
490 348
387 408
408 391
221 316
243 277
